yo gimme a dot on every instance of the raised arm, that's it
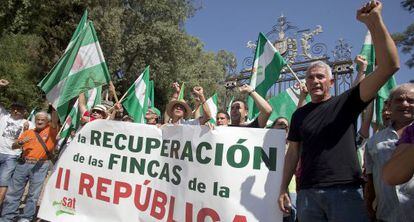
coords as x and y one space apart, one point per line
385 50
82 104
199 92
362 65
303 94
264 107
54 123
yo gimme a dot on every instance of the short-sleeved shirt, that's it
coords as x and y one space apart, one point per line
191 122
407 136
379 150
253 124
33 149
327 132
10 130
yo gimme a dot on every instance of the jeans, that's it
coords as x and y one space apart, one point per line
7 165
292 216
35 174
342 203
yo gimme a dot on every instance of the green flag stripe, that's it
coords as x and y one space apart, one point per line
81 82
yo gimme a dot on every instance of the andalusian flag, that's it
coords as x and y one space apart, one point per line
212 104
181 95
368 51
81 68
72 122
285 104
151 96
266 70
83 22
229 105
137 96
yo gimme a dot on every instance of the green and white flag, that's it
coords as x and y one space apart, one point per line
72 122
137 96
212 104
81 68
151 96
31 117
285 104
181 95
229 105
266 70
82 23
368 51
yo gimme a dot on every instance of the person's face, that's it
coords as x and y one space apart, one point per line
17 112
318 83
41 121
150 115
238 111
402 106
221 120
281 124
98 114
386 114
178 111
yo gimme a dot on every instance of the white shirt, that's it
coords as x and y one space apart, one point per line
10 130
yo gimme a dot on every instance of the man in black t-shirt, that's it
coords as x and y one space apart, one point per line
322 134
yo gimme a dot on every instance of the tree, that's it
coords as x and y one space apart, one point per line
405 40
18 66
132 33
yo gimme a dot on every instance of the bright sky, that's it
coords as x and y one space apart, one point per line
230 24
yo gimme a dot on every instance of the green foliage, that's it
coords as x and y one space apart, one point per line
18 66
408 5
132 33
405 40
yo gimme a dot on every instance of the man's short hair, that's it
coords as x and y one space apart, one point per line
43 113
225 114
242 101
320 64
402 87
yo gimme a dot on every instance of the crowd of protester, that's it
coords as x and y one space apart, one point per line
333 171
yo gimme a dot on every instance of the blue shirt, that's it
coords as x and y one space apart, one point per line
390 199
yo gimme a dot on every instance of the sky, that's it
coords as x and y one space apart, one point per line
230 24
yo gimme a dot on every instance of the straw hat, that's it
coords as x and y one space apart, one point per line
171 104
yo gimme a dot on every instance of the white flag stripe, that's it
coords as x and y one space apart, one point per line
293 94
213 107
265 59
88 56
368 39
91 98
54 94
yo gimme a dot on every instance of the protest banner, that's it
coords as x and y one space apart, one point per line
119 171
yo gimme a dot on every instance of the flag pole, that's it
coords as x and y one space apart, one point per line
112 88
293 73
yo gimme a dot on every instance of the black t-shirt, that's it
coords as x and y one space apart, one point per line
327 131
253 124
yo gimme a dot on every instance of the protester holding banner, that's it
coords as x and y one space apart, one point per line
37 145
379 150
322 134
12 124
179 111
222 118
151 117
97 112
239 110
